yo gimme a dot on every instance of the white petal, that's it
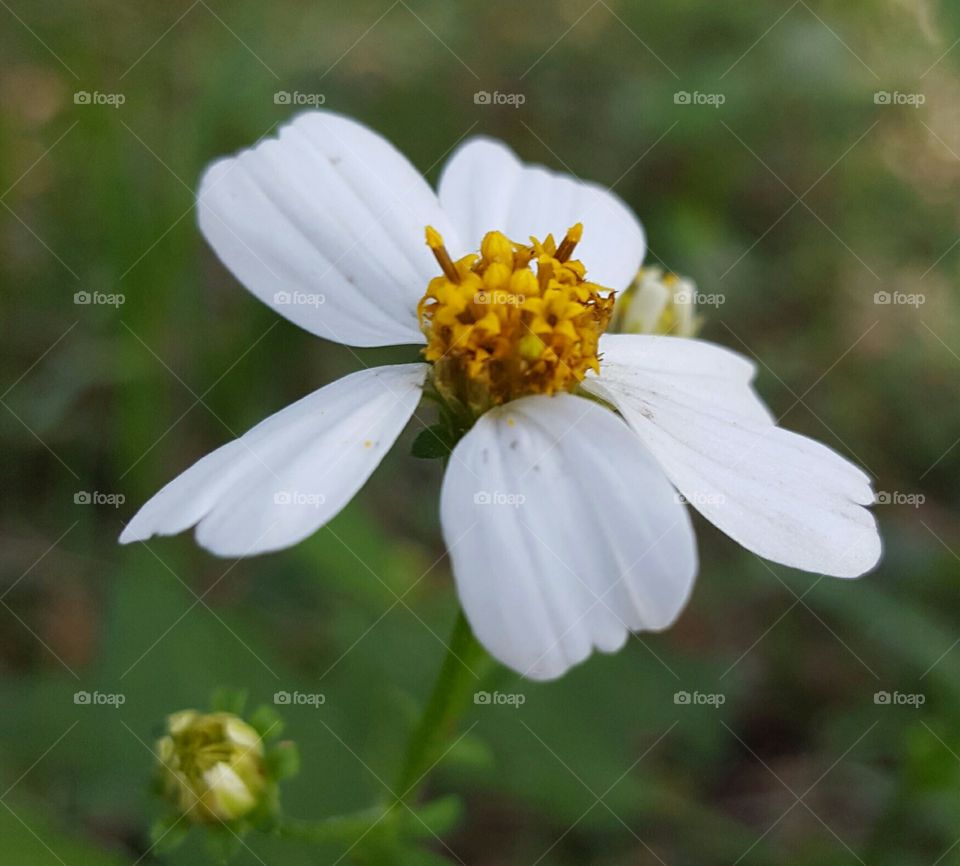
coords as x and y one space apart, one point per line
781 495
485 187
645 307
231 798
289 475
326 225
696 372
564 534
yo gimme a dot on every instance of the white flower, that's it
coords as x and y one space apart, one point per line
562 517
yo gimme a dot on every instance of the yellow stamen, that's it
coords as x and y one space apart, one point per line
572 238
514 320
435 242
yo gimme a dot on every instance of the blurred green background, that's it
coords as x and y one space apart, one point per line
799 198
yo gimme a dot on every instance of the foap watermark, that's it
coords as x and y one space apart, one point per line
285 97
500 699
700 299
886 97
299 699
697 499
299 299
498 297
899 699
496 497
99 699
699 699
895 497
298 497
96 497
99 299
86 97
485 97
899 299
685 97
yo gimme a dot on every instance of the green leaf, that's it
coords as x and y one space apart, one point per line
437 817
30 835
470 751
433 443
421 857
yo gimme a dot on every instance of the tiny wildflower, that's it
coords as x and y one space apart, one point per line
212 766
576 450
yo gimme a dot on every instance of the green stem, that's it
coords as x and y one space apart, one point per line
341 828
459 677
435 818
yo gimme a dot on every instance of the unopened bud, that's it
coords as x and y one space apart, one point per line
657 303
212 766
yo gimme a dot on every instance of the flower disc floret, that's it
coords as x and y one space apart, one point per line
512 320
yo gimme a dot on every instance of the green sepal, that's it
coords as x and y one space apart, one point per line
283 761
223 842
228 700
433 443
266 721
168 833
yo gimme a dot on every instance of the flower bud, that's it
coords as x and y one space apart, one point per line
657 303
212 766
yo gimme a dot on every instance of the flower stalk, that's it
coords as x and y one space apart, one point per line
463 669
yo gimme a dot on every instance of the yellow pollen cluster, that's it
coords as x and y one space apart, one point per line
514 320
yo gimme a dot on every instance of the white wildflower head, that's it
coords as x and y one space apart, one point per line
567 522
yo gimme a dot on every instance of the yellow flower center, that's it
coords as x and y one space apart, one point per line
513 320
